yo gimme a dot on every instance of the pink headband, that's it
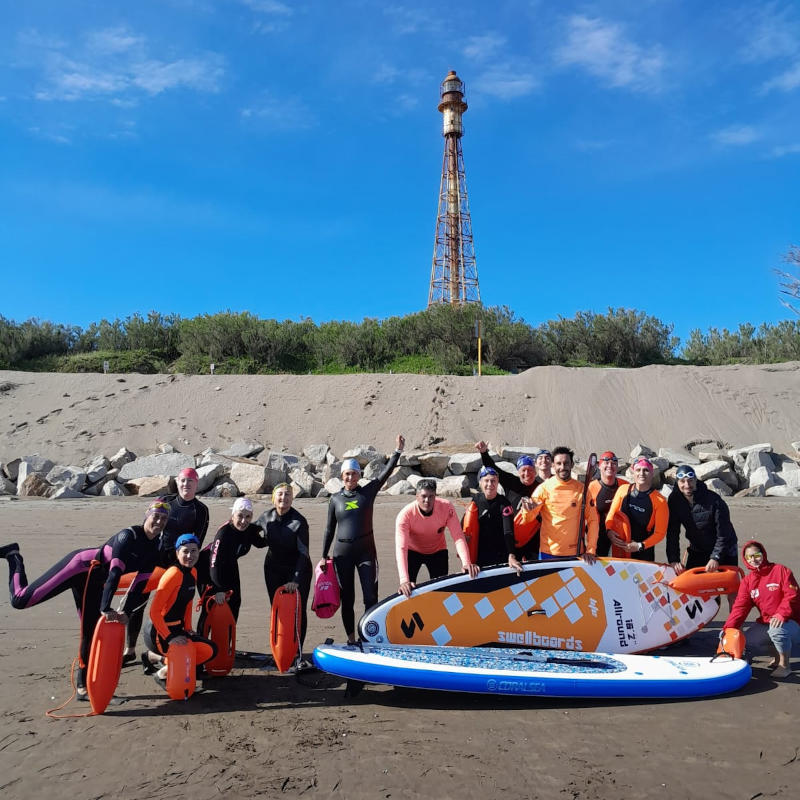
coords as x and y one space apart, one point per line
189 473
643 461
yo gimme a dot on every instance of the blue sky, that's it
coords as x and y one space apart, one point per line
193 156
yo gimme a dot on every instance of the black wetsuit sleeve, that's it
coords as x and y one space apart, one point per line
726 535
673 531
387 471
223 568
302 548
202 521
508 529
257 533
509 482
120 556
330 527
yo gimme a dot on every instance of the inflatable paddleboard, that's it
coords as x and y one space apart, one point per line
284 630
220 627
612 606
105 663
547 673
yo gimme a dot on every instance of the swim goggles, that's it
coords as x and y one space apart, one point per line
685 472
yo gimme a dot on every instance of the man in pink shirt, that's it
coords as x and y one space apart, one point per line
420 540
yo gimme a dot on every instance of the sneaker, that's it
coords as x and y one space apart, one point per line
301 665
9 549
781 672
129 658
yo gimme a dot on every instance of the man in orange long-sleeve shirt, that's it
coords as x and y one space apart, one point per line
559 500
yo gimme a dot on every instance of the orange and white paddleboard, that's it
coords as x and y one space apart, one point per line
220 628
105 663
284 633
612 606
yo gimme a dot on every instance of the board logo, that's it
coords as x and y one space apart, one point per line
409 628
371 628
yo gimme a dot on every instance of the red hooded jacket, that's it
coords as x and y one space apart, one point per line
771 588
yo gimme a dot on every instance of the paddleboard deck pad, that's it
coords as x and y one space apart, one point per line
612 606
547 673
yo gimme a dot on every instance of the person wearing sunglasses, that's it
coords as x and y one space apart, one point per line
772 589
93 575
705 518
601 493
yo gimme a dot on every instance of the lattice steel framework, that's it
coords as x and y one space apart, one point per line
454 274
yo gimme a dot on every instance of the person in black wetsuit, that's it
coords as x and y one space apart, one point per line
171 613
93 576
517 488
287 562
218 567
490 516
354 549
186 515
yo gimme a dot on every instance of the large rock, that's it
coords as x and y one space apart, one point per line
714 455
33 465
795 445
763 477
398 474
208 475
33 485
374 468
98 468
153 465
363 453
782 491
743 451
789 475
245 449
316 453
711 469
641 450
729 477
223 488
755 460
277 469
752 491
67 477
677 455
149 486
121 457
249 476
113 489
211 456
453 486
719 486
513 452
65 493
401 487
331 470
461 463
409 459
308 484
11 469
433 465
333 485
7 486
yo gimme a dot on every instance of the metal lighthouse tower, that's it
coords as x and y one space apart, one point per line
454 275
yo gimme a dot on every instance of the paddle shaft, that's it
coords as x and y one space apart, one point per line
591 466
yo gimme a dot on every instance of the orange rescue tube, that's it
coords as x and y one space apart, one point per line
732 642
621 525
105 663
704 584
284 632
151 585
181 678
471 529
220 628
526 526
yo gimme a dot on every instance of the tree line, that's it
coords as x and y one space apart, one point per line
438 340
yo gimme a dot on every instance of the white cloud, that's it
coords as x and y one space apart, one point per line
773 32
736 135
270 7
506 81
785 82
786 150
603 50
115 65
481 48
280 114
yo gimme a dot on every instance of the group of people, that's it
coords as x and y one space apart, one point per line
541 513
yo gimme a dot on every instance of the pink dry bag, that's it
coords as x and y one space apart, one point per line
326 590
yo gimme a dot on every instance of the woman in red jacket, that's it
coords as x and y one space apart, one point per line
772 589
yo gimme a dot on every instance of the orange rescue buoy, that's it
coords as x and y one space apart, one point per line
181 660
284 633
105 663
220 627
732 642
704 584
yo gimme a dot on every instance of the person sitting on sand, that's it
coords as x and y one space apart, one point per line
601 493
419 537
559 500
772 589
646 511
354 549
489 524
171 613
93 576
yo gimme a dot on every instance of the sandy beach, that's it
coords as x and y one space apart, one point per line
257 733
